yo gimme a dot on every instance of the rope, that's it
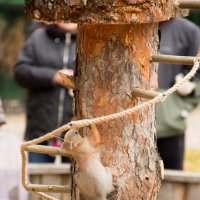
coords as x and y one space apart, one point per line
98 120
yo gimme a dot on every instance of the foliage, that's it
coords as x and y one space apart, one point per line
194 16
12 38
12 1
192 160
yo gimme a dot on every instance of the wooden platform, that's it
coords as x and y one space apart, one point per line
180 185
177 185
50 174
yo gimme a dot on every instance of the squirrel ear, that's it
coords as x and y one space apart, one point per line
94 137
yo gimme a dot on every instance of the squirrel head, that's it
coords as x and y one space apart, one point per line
74 143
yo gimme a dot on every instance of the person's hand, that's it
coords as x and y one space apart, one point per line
64 78
67 72
185 89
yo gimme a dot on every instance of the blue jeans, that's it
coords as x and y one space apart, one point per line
44 158
40 158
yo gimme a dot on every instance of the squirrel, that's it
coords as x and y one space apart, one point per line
93 179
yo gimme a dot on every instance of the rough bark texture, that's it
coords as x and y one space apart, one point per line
101 11
112 60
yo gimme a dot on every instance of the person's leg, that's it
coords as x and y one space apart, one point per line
40 158
171 150
66 159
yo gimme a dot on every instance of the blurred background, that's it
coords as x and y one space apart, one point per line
14 29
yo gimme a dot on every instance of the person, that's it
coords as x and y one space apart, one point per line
178 37
47 51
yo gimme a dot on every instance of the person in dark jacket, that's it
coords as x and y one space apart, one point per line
182 38
49 104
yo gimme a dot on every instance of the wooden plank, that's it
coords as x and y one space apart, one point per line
172 191
66 196
193 191
49 169
66 180
50 174
181 176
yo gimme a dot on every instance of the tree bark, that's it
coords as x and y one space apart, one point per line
112 60
102 11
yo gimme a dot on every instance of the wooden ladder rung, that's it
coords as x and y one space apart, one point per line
169 59
48 188
46 150
188 4
146 94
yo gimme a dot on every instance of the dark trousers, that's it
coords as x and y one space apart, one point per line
171 150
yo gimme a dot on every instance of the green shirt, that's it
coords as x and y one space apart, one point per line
171 114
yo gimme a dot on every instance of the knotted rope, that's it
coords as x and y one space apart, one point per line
87 122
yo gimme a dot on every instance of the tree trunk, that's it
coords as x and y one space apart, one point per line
112 60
